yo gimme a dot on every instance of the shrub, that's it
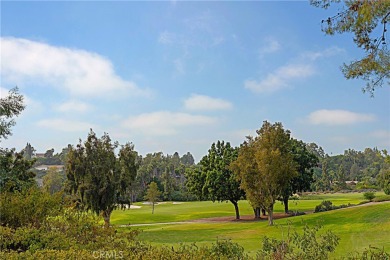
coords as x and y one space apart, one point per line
381 198
324 206
28 207
309 245
369 195
386 189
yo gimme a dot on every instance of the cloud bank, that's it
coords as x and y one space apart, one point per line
206 103
78 72
338 117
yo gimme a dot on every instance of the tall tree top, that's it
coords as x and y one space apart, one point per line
368 20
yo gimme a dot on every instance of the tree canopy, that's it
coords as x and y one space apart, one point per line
10 107
152 194
368 21
15 171
96 176
217 181
305 161
266 166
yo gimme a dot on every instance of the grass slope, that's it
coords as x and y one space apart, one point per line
171 212
357 227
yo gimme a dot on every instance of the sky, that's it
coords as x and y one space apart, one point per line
173 76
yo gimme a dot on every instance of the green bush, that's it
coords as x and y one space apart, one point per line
327 205
28 208
386 189
324 206
309 245
369 195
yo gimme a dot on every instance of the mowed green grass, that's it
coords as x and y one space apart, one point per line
173 212
357 227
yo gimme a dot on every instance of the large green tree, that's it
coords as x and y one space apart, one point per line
266 166
220 183
305 161
195 180
96 176
368 21
128 164
11 105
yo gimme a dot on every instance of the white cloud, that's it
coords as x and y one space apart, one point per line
165 123
79 72
270 46
314 55
66 125
280 79
166 37
74 106
205 103
338 117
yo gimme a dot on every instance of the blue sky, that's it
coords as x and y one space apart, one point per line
177 76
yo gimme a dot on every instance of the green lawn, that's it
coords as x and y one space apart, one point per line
172 212
357 227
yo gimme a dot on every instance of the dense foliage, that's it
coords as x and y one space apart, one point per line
265 166
368 169
15 171
214 179
368 22
11 106
97 177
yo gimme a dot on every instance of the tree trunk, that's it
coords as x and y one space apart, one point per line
285 202
263 211
106 217
235 203
271 215
257 212
152 207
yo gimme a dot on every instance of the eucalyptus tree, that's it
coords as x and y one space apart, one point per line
266 166
220 183
97 177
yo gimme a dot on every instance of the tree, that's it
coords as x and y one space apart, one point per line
167 182
152 194
384 174
28 151
10 106
195 180
367 20
305 161
340 176
325 180
187 159
220 183
128 163
266 166
96 176
53 181
15 171
49 153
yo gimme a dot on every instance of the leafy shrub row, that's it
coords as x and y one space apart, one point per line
327 205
